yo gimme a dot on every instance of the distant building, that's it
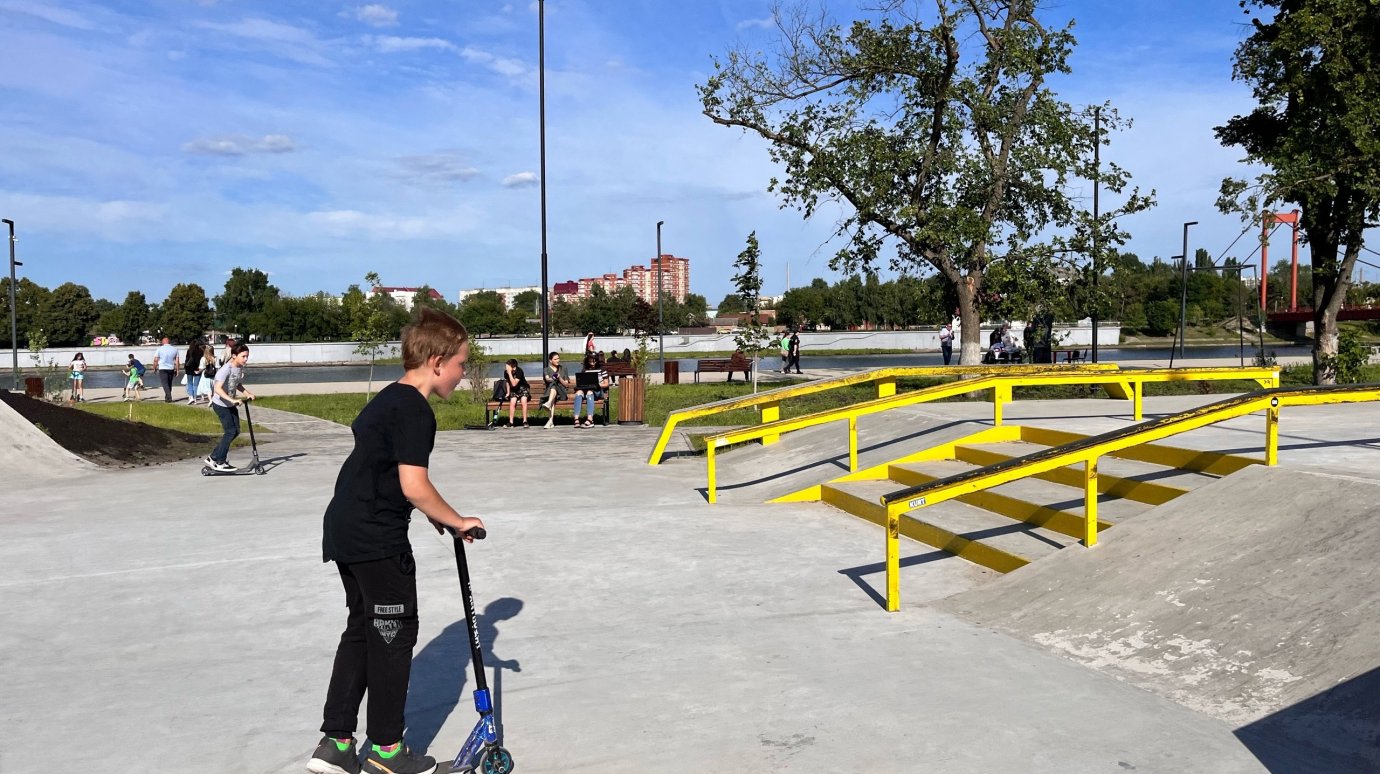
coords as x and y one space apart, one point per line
675 281
508 295
404 296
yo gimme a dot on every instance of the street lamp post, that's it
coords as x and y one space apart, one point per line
660 306
541 102
1183 297
14 328
1097 223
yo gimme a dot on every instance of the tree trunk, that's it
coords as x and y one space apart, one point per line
1331 280
969 322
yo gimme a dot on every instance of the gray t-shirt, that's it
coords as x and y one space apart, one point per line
230 376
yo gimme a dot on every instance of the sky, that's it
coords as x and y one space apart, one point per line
144 144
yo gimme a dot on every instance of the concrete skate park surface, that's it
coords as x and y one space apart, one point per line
190 623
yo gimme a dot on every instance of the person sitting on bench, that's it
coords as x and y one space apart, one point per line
518 390
557 385
590 386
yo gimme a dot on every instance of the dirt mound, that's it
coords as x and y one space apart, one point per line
107 442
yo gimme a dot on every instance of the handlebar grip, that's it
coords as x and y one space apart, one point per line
477 533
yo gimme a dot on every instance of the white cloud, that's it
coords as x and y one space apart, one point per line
766 23
502 65
521 180
49 13
436 169
377 15
390 44
287 41
240 145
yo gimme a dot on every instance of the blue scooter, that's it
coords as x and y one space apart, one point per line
483 752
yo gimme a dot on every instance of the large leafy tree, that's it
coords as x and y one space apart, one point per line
185 314
69 314
31 299
1314 68
484 312
246 294
939 136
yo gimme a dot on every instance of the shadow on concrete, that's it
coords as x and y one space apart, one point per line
440 670
1370 443
856 574
1336 731
269 463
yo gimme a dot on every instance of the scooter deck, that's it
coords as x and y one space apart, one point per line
253 470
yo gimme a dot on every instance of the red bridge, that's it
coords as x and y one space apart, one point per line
1306 315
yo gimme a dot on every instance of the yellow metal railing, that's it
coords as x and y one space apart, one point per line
1088 450
1130 381
770 401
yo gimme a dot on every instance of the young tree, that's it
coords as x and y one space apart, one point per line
941 138
373 329
1312 66
753 337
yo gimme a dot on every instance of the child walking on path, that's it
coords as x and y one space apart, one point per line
365 534
229 380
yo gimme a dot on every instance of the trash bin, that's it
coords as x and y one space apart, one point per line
33 386
670 372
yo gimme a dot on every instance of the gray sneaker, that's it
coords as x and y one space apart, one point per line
329 758
403 761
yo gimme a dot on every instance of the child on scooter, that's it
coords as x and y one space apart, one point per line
229 382
365 534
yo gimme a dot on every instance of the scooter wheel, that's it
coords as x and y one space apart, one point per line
495 760
205 471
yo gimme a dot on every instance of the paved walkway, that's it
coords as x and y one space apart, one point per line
630 626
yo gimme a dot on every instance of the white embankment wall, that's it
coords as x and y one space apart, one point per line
1068 335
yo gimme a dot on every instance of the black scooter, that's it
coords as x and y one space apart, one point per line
255 467
483 752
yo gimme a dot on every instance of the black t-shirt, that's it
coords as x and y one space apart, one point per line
368 516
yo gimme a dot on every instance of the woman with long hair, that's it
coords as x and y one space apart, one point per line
518 390
191 365
78 374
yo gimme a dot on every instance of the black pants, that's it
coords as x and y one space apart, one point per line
375 652
795 361
948 350
165 376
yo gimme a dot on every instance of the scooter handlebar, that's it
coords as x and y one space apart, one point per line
476 533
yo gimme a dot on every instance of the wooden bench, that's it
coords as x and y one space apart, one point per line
494 410
729 365
617 368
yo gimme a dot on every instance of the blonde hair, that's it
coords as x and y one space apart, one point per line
432 333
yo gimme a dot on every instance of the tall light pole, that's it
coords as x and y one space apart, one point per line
660 306
14 332
1097 224
541 102
1183 296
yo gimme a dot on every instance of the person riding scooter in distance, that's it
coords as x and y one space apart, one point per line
229 380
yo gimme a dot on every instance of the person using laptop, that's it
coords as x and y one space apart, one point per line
591 384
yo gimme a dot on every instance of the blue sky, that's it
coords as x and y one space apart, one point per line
163 141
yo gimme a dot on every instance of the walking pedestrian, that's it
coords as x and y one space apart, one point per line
794 352
191 366
165 359
946 342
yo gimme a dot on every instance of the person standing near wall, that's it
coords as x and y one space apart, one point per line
946 342
794 352
165 359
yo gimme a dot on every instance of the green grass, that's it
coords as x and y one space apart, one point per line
196 420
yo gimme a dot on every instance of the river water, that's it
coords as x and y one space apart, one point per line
387 373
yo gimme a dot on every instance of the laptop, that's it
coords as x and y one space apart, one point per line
587 380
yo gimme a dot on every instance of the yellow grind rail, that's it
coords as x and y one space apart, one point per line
885 379
1131 382
1088 450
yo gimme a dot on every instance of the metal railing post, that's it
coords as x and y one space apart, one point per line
709 466
893 559
852 443
1272 433
1090 502
771 412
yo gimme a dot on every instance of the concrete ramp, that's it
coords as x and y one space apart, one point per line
1255 599
25 451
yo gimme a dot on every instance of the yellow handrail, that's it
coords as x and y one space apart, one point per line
1002 383
770 400
1088 450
